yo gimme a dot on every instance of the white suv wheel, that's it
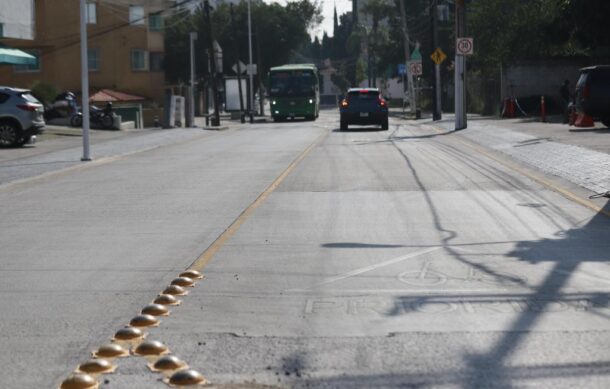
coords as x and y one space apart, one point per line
8 134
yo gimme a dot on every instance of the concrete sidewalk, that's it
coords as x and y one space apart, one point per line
579 155
59 148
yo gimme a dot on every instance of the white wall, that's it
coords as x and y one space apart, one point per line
391 88
17 18
543 77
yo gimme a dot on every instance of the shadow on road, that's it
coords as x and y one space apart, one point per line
567 252
572 248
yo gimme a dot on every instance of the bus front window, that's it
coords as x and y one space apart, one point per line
292 84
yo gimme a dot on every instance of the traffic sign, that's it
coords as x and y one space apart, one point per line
464 46
438 56
251 69
416 55
415 68
242 67
402 69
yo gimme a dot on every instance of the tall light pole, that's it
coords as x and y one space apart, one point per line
191 119
460 68
84 66
250 67
436 114
406 40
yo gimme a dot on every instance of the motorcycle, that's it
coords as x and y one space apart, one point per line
63 106
102 117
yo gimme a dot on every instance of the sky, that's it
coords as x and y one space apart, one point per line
343 6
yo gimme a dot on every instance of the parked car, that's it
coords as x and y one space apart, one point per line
21 117
364 106
593 93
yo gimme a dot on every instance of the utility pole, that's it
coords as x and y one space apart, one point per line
460 68
369 66
238 64
84 71
259 66
436 102
405 34
374 50
190 121
250 67
216 118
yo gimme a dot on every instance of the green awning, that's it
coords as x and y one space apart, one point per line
16 57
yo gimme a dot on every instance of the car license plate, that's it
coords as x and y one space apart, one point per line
364 114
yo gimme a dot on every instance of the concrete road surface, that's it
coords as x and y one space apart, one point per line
402 258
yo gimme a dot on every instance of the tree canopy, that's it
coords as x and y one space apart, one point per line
278 32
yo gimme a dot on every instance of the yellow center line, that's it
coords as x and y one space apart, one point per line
209 253
542 181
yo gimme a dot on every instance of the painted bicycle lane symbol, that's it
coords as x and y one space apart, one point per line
426 277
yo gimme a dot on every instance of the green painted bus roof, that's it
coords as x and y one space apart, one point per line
295 66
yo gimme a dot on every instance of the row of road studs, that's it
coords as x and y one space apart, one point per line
131 341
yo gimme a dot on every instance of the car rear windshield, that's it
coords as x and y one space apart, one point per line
363 95
28 97
600 76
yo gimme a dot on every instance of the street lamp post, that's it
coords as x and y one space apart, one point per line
250 67
191 119
84 64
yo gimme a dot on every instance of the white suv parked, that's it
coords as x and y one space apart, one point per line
21 117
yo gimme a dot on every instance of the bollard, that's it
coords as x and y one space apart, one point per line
542 109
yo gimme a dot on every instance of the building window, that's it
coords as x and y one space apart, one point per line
156 62
136 15
91 13
139 59
155 22
34 68
93 57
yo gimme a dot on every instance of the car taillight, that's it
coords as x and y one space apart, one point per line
585 91
28 107
344 103
382 102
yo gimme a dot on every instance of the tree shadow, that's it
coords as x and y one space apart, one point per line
567 251
357 245
572 248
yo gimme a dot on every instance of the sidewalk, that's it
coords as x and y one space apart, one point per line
59 148
579 155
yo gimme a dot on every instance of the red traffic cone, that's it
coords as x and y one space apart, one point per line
583 120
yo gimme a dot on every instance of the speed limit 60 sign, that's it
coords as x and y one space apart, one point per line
464 46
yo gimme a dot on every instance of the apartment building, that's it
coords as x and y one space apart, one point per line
17 19
125 53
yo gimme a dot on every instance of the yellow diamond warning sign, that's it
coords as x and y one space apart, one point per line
438 56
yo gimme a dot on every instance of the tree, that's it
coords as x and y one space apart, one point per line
282 31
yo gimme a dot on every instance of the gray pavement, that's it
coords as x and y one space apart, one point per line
383 259
579 155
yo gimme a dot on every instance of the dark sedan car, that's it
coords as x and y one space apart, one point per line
364 106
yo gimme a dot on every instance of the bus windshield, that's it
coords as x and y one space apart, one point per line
292 83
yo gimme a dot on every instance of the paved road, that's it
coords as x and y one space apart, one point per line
332 259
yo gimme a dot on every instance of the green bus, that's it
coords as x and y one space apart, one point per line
294 91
